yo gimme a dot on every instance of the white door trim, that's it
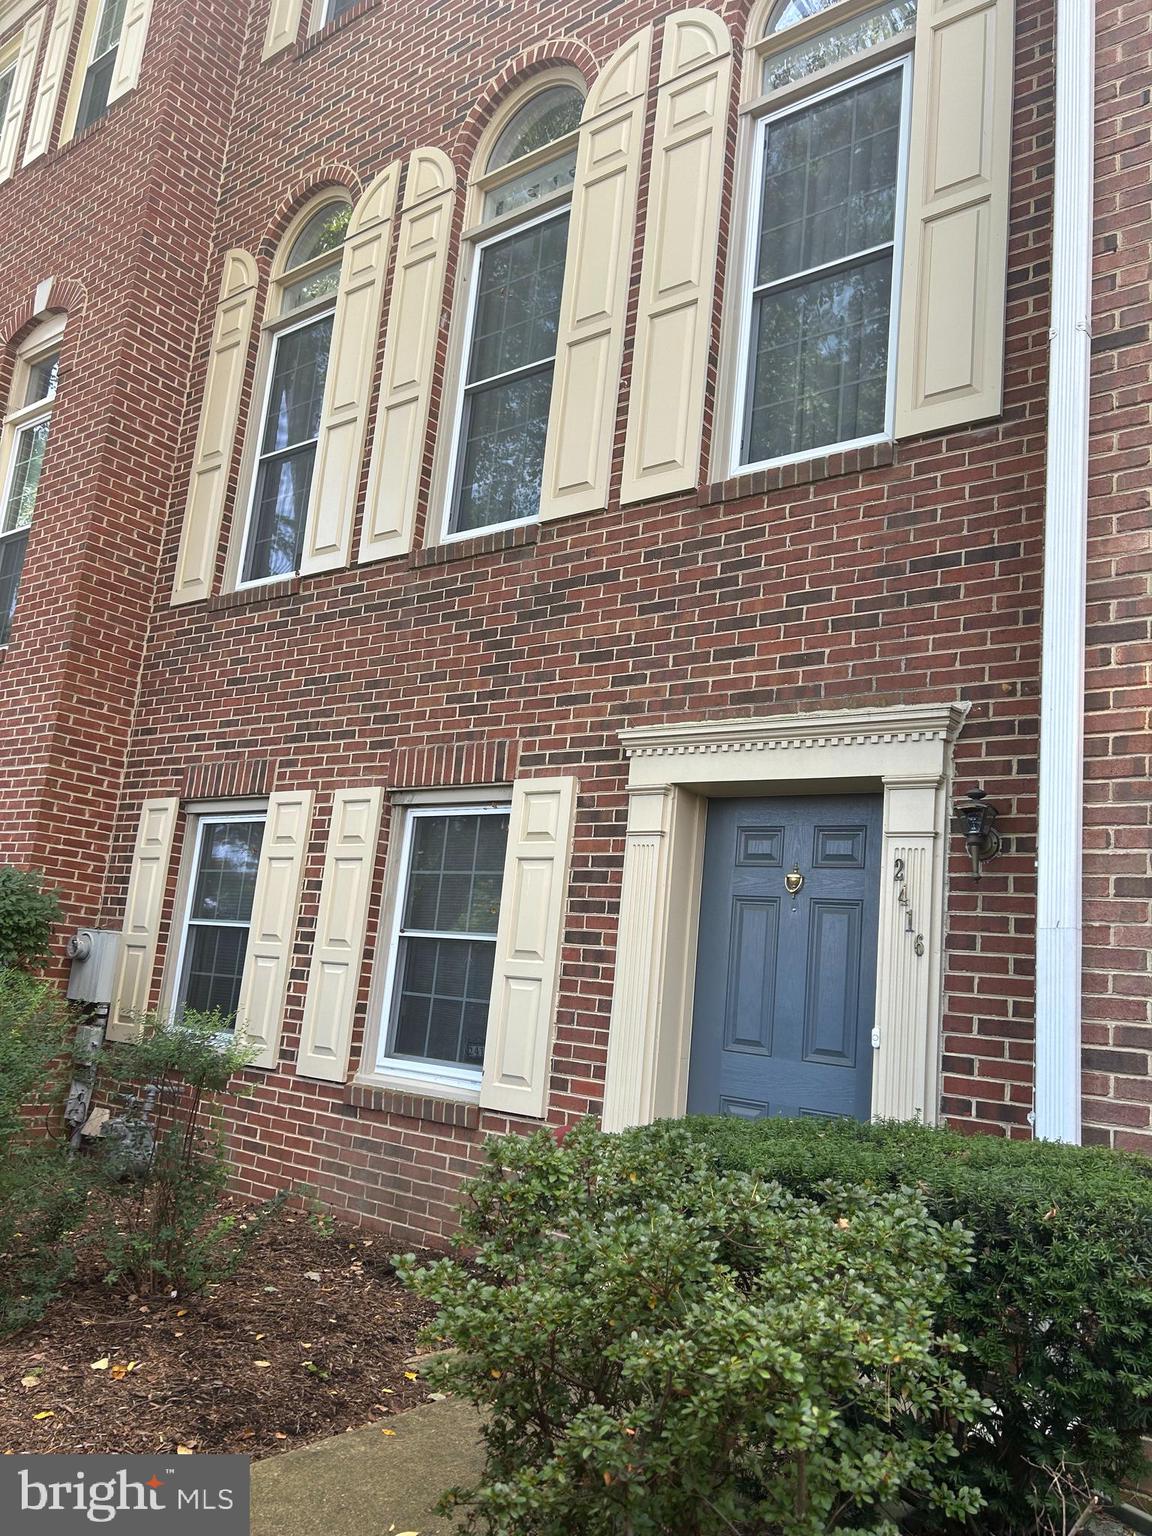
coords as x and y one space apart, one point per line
903 750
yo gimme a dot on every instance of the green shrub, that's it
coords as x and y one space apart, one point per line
662 1348
27 915
164 1166
1056 1311
41 1198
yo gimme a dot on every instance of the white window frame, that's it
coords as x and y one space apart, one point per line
275 326
9 62
201 818
275 334
508 227
762 116
43 342
101 7
407 1071
324 13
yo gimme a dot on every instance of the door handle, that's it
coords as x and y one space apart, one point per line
793 880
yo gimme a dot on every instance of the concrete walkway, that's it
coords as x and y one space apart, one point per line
367 1483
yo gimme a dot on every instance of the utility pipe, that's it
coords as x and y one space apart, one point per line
1061 820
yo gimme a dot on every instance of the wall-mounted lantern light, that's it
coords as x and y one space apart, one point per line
977 821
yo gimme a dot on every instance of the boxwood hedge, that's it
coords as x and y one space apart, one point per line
1056 1310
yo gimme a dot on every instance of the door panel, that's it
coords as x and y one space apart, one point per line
786 978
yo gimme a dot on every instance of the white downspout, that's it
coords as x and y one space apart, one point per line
1061 821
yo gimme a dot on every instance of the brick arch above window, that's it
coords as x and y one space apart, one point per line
543 56
336 178
55 295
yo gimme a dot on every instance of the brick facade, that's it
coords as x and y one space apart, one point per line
886 575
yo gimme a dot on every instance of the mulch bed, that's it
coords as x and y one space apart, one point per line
312 1336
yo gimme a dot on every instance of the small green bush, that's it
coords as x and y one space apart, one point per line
41 1197
662 1348
164 1169
27 915
1055 1312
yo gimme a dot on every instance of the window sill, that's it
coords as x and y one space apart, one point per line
483 544
337 24
248 597
781 477
414 1101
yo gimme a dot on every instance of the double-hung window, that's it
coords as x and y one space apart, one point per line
820 297
299 340
101 63
519 248
218 914
444 942
25 442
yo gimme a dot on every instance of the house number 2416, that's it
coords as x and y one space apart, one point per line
898 875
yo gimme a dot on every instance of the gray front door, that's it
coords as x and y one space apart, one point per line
786 970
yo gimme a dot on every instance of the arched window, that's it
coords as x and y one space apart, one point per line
820 287
520 202
298 338
31 398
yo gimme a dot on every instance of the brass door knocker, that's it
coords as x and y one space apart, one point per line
793 880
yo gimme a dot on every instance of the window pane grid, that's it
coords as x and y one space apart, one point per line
446 943
822 293
288 453
12 550
219 915
27 466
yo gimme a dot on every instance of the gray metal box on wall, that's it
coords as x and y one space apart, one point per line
93 953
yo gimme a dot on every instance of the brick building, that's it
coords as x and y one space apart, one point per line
543 510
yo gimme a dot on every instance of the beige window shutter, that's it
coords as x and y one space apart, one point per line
275 906
351 368
216 436
338 954
143 913
283 26
51 78
18 97
950 356
518 1052
409 356
678 277
593 311
133 38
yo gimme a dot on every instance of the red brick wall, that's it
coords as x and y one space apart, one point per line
891 578
886 577
1118 836
122 219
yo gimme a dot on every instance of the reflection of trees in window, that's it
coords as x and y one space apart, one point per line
515 316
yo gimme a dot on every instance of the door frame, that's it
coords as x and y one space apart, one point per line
905 752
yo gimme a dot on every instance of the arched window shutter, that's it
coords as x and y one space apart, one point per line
18 97
283 26
231 334
338 953
582 423
351 366
51 78
409 356
950 360
275 905
677 284
522 1015
143 913
133 37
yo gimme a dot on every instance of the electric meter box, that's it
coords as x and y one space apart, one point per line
93 953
